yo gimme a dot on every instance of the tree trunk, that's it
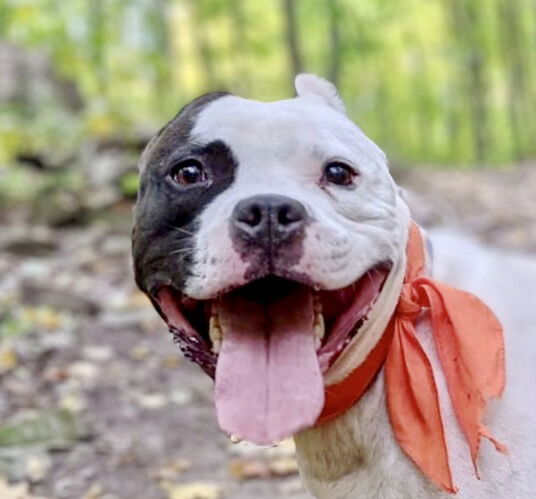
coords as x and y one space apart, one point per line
292 37
157 17
203 46
97 43
515 68
238 16
464 22
334 62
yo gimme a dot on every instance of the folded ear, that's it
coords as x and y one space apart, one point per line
312 85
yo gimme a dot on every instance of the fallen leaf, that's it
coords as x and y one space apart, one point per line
244 469
53 374
8 358
171 469
171 361
283 466
94 492
193 490
139 352
73 402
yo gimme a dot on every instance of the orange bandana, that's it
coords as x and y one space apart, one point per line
469 343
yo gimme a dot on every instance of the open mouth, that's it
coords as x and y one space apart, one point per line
267 344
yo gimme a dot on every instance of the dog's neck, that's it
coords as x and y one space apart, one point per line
356 455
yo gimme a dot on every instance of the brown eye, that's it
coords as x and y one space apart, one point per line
189 172
339 173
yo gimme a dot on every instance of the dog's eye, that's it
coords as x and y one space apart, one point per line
339 173
188 172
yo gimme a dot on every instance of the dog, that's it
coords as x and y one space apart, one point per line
275 244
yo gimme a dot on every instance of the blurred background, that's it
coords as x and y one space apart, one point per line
95 401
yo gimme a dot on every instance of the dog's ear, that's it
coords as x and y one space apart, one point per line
309 84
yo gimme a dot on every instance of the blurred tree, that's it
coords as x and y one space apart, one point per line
435 81
335 53
292 38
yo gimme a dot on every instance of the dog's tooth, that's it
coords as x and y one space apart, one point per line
319 326
214 332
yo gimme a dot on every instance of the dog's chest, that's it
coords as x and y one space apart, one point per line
358 457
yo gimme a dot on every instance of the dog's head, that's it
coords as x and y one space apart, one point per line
264 234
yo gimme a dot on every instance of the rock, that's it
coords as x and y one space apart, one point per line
35 293
86 372
292 487
151 401
37 467
115 245
97 353
15 491
181 397
35 244
24 464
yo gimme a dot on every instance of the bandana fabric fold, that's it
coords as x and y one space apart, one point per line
469 343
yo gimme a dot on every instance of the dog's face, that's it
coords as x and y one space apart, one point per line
264 233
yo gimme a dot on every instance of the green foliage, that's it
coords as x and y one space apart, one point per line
435 81
129 184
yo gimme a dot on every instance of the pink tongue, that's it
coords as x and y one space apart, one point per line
268 380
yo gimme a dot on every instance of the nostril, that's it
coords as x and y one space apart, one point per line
251 216
289 214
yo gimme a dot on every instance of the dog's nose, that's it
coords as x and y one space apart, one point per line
269 219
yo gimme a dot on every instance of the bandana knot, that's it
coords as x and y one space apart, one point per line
408 308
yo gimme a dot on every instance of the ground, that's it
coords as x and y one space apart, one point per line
96 400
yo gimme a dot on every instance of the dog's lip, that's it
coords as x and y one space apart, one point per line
187 318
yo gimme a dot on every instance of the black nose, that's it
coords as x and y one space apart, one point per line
269 219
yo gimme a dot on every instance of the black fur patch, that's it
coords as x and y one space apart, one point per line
165 214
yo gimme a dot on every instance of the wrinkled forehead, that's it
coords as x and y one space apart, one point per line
278 130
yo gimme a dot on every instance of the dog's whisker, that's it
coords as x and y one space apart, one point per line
181 250
179 229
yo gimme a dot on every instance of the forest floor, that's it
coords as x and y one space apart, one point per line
96 401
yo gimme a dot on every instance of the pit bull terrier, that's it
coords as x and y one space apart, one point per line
274 242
